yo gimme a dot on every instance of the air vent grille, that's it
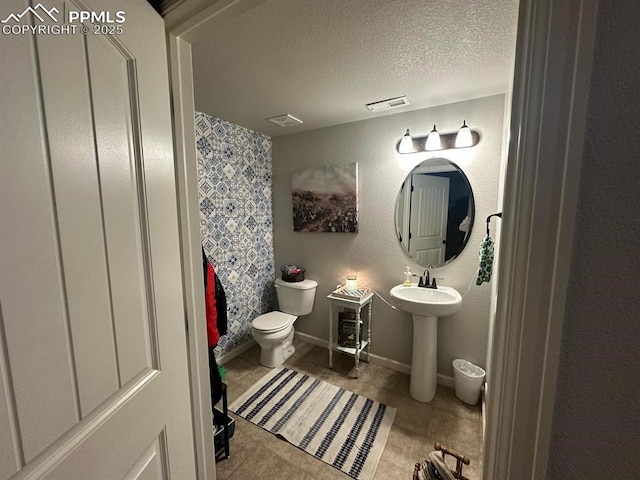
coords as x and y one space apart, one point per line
285 120
388 104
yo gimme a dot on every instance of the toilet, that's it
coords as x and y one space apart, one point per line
274 330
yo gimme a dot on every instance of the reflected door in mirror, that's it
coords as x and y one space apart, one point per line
428 219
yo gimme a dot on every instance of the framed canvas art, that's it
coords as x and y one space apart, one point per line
325 199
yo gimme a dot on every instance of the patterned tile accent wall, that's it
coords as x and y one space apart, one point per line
236 219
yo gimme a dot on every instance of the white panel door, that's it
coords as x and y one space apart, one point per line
93 360
428 224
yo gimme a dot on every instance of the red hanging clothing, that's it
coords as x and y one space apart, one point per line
210 303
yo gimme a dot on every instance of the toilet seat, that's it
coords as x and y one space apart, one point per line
273 322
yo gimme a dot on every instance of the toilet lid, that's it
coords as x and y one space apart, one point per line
273 321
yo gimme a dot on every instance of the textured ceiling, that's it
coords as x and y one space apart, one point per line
323 60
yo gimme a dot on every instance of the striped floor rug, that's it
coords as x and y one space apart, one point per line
345 430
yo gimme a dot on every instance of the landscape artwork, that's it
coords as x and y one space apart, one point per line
325 199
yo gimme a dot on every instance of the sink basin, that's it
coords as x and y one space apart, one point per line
425 305
438 302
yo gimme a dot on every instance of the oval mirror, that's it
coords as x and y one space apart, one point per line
434 212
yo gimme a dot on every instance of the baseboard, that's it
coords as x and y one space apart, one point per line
390 364
377 359
445 381
235 352
311 339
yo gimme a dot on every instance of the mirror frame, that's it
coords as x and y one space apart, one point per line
401 209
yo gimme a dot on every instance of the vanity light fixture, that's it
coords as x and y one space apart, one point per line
406 143
463 138
433 140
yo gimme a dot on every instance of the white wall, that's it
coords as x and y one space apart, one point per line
596 420
374 252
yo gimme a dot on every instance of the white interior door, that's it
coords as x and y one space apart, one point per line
93 360
428 224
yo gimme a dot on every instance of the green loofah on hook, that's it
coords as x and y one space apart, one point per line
223 372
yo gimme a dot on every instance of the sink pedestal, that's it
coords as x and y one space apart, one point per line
426 305
424 359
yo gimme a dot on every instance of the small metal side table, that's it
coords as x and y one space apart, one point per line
356 304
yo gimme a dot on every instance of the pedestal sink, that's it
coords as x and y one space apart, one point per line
426 305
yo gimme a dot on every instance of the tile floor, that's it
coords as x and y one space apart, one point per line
257 454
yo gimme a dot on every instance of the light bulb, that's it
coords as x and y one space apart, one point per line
464 138
433 140
406 143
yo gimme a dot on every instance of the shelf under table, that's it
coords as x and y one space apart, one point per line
351 350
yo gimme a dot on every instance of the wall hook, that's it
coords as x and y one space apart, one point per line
499 215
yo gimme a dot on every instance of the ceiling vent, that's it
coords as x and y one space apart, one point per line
388 104
285 120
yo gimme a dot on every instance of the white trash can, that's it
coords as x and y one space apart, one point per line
468 380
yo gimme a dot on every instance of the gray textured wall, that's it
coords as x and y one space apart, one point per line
596 423
374 252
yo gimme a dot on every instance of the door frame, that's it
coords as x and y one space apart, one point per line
183 116
554 53
181 86
549 98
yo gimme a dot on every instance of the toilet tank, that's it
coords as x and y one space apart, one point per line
296 298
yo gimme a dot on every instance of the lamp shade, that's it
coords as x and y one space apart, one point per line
406 143
463 138
433 140
351 285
